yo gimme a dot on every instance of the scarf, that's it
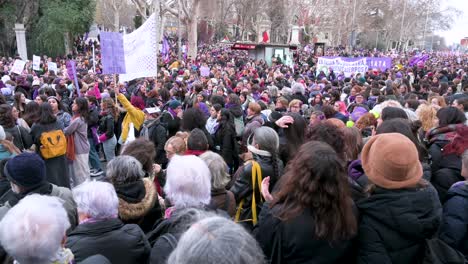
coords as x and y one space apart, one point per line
194 152
171 111
446 133
456 135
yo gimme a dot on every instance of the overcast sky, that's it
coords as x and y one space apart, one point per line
460 28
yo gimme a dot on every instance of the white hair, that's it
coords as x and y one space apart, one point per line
33 230
298 88
188 182
217 240
96 199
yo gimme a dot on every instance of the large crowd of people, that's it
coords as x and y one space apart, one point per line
250 163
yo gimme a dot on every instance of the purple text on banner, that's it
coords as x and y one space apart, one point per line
112 53
381 63
71 70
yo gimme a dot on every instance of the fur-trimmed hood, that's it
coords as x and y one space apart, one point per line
132 211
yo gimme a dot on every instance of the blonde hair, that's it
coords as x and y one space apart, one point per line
295 101
426 114
178 143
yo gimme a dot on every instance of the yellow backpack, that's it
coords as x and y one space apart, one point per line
256 179
53 144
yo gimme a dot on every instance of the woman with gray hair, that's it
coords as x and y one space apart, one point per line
216 240
220 197
263 145
188 185
101 231
33 231
138 198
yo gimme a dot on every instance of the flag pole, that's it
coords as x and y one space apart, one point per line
116 85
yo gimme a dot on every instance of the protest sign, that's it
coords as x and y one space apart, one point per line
36 63
112 53
18 66
52 66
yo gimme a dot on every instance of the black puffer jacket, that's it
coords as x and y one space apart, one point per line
242 187
395 223
118 242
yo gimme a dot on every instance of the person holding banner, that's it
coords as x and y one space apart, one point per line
134 114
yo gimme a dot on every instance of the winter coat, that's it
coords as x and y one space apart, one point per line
172 123
106 127
395 223
446 169
454 227
225 143
357 179
138 204
118 242
56 168
294 241
21 138
78 129
93 120
167 232
242 188
223 200
133 115
158 133
45 189
64 119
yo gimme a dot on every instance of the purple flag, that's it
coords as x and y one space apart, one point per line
71 70
420 58
165 49
112 53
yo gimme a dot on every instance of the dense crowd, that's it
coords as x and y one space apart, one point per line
224 159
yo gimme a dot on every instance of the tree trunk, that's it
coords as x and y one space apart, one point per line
192 37
67 42
192 30
116 21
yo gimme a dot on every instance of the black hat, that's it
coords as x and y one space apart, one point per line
26 170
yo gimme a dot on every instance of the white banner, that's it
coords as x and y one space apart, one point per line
352 66
36 63
141 50
18 66
52 66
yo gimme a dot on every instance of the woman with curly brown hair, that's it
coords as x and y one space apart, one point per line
311 217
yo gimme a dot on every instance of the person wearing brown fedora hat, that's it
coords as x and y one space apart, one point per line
402 209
